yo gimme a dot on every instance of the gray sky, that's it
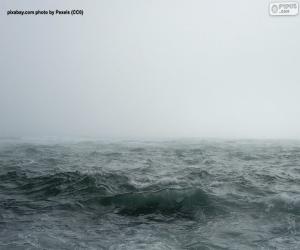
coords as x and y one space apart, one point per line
150 68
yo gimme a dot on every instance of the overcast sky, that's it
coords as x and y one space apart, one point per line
150 68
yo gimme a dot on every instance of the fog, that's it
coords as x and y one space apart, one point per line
150 69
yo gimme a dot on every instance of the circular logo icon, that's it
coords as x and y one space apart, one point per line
274 9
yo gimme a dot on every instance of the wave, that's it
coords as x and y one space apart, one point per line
118 193
181 202
109 191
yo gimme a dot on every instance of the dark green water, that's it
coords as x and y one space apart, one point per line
149 195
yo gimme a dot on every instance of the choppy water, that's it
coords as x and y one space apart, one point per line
150 195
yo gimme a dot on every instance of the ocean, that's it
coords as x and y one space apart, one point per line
127 194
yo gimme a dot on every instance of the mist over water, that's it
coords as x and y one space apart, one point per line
150 69
184 194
